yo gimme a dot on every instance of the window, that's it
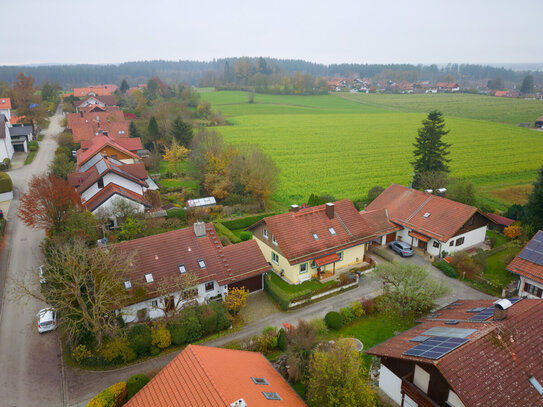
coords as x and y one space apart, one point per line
275 258
259 380
182 269
303 268
435 244
154 303
149 278
273 240
202 263
315 236
340 254
101 183
460 241
265 233
532 289
210 286
332 231
451 243
127 284
313 264
271 395
190 293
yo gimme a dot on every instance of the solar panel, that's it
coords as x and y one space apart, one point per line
533 252
90 163
101 166
476 309
420 338
451 323
449 332
514 300
483 315
436 347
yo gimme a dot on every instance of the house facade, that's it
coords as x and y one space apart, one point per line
6 145
317 241
469 353
429 222
528 265
160 259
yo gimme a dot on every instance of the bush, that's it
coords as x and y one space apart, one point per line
135 384
6 164
208 319
6 185
224 240
191 324
347 315
276 293
65 139
141 339
447 269
381 252
223 322
118 350
282 340
244 236
33 145
369 305
114 396
357 309
180 214
161 336
245 222
177 333
333 320
224 231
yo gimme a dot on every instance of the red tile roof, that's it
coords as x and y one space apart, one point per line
539 119
500 220
130 143
215 377
162 254
494 366
5 103
87 131
111 190
500 93
93 116
108 100
323 261
407 207
99 90
526 268
97 144
294 230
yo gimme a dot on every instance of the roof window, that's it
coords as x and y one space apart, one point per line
271 395
426 215
202 263
182 269
149 278
315 236
536 385
259 380
127 284
332 231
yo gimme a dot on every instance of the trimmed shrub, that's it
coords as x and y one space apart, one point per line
33 145
282 340
224 231
208 319
180 214
446 268
276 293
223 322
177 333
347 315
118 350
6 185
114 396
192 326
358 309
161 336
333 320
6 164
135 384
245 222
141 339
244 236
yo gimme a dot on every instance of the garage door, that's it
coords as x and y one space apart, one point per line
391 237
251 283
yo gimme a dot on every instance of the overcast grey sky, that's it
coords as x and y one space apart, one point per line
379 31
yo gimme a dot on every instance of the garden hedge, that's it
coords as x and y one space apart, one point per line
208 319
140 338
224 231
33 145
276 293
245 222
114 396
180 214
192 326
447 269
222 319
135 384
6 185
177 332
333 320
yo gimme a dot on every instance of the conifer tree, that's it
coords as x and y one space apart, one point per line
534 207
181 131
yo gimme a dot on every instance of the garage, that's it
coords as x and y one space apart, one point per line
391 237
252 283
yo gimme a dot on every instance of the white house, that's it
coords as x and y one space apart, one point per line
529 266
6 146
164 257
431 223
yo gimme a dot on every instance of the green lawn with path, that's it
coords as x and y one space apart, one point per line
310 285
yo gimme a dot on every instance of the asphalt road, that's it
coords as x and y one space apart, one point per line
30 372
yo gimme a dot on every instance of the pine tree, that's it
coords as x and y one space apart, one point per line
181 131
430 150
152 130
133 130
527 84
534 207
124 86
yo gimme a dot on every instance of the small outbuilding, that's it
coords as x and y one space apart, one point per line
539 122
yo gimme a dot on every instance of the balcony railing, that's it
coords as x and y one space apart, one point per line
414 393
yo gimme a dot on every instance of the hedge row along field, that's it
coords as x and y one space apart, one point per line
345 154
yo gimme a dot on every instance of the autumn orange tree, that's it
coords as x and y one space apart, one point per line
175 155
513 231
236 299
48 202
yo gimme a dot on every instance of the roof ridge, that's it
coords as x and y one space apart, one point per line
422 205
191 349
343 224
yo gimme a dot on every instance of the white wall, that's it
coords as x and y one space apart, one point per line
454 400
390 384
6 196
7 113
523 293
421 378
109 204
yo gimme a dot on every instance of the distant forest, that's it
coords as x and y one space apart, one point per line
208 73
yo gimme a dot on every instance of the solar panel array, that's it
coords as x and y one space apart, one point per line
90 163
483 315
101 166
533 252
436 347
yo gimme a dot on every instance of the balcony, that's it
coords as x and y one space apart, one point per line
414 393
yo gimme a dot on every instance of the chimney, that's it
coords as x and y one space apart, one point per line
500 309
428 191
200 229
329 210
441 191
238 403
294 208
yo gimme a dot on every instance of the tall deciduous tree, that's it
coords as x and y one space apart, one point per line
463 192
430 150
175 155
181 131
50 91
534 208
336 377
47 202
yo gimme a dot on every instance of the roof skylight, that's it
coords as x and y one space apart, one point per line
259 380
149 278
182 269
332 231
127 284
202 263
271 395
315 236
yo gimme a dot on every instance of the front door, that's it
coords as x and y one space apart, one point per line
423 245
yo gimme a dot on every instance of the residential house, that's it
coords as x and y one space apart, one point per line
6 146
207 376
5 108
500 93
445 87
318 241
430 222
95 90
539 122
470 353
198 249
20 136
528 265
89 128
105 100
125 150
499 222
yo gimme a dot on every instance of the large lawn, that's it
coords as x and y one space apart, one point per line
495 266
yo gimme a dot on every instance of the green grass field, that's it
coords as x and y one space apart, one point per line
345 144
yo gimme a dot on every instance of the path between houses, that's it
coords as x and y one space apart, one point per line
82 385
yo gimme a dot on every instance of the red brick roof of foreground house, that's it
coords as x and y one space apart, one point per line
163 254
337 226
206 376
530 269
494 366
5 103
408 207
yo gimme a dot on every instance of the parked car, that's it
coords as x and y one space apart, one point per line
42 278
402 248
47 320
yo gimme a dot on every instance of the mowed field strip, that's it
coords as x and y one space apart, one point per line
330 144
